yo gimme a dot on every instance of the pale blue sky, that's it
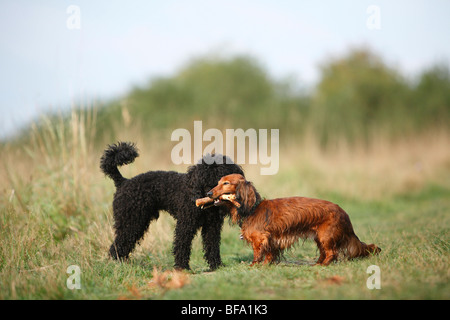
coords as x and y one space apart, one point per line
46 66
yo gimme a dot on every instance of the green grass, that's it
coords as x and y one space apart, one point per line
56 212
413 232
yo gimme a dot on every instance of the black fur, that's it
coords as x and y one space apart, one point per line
138 200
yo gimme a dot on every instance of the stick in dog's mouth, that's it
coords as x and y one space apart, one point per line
207 202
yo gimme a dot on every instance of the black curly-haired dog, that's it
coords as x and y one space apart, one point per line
138 200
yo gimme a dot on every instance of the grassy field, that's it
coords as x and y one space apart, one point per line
56 212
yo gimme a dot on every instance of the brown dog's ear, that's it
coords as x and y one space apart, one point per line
246 195
238 191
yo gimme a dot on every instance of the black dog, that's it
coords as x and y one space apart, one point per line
138 200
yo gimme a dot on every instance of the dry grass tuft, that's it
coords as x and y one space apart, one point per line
169 279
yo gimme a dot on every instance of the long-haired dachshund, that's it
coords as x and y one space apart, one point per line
272 226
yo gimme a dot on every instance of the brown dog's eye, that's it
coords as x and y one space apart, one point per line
226 182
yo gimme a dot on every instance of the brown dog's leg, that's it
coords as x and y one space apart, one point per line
257 254
322 252
326 244
273 254
269 258
259 243
330 257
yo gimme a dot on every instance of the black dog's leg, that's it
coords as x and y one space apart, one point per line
129 230
185 231
211 231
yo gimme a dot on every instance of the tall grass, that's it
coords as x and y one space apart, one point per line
47 198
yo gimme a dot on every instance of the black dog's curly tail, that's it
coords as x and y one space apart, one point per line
117 155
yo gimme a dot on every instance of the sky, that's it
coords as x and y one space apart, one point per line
58 53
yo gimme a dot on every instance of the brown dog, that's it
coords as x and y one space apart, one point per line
272 226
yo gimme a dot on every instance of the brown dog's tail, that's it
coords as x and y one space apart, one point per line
354 248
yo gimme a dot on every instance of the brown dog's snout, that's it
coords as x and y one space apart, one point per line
226 185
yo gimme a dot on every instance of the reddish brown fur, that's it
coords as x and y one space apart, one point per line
272 226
